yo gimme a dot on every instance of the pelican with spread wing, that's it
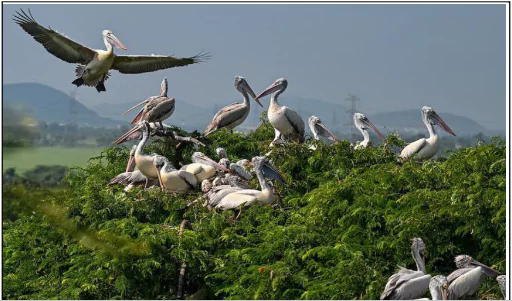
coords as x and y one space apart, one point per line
94 65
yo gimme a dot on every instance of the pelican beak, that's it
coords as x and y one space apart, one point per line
253 95
271 89
160 178
137 105
271 172
210 162
444 292
128 134
441 123
374 128
115 41
487 270
131 163
327 130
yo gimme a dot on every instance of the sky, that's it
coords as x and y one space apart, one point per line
451 57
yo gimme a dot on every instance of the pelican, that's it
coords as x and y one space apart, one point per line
131 178
172 179
362 123
438 287
319 130
247 197
203 167
221 152
282 118
466 280
427 148
136 133
502 282
94 65
157 108
408 284
234 114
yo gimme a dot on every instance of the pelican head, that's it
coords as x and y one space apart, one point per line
418 246
159 162
131 161
269 171
466 261
278 86
225 162
321 130
429 115
111 39
199 157
363 123
242 86
221 153
244 162
502 282
206 186
439 283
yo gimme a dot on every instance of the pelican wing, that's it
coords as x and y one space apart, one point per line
398 279
226 116
55 43
244 197
155 109
457 273
120 178
133 64
239 170
467 282
217 193
188 177
295 120
413 148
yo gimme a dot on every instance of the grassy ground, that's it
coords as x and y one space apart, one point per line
24 159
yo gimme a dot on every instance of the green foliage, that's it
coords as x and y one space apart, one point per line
337 231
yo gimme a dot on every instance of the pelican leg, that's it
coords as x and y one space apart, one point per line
101 84
239 212
161 125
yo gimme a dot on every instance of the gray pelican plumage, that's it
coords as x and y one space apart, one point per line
466 280
203 167
131 178
438 287
94 65
157 108
172 179
426 148
247 197
362 123
234 114
282 118
221 152
502 282
320 130
408 284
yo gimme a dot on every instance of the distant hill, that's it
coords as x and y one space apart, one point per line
410 121
47 104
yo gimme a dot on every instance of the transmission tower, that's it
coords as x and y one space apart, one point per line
353 99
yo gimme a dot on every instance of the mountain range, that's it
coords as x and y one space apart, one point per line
47 104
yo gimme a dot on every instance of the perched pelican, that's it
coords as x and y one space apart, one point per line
131 178
362 123
94 65
408 284
172 179
234 114
203 167
466 280
282 118
221 152
319 129
247 197
157 108
438 287
237 176
427 148
502 282
136 132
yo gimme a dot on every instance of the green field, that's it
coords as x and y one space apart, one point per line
24 159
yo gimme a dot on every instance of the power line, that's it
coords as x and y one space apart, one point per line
353 99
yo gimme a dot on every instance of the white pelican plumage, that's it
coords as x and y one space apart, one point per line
94 65
234 114
362 123
172 179
426 148
203 167
132 177
247 197
285 120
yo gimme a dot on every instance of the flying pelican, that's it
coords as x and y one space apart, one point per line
203 167
157 108
131 178
466 280
409 284
502 282
94 65
319 129
282 118
247 197
427 148
172 179
234 114
362 123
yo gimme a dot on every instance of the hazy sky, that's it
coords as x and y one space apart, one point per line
450 57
